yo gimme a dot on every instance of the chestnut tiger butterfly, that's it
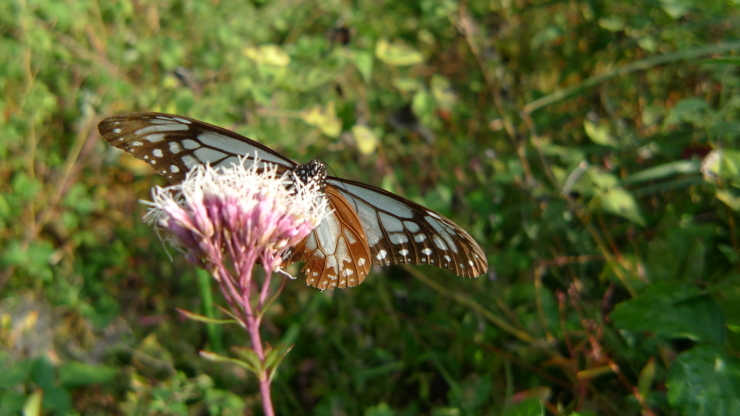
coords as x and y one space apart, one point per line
367 226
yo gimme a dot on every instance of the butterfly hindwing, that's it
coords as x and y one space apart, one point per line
336 254
401 231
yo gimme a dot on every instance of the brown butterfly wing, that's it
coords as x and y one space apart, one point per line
400 231
336 253
174 144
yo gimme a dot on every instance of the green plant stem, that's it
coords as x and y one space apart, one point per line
214 331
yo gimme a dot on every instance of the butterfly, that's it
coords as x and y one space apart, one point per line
367 226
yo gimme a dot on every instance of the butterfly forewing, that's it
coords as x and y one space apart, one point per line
401 231
367 226
174 144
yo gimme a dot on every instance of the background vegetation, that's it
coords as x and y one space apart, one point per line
566 136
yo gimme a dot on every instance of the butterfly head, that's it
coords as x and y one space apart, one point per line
312 173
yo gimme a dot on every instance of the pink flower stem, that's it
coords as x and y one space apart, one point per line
265 289
237 294
253 327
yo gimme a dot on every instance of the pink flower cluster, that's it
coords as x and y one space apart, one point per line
242 213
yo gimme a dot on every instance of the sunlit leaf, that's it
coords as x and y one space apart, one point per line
324 118
366 140
599 134
612 23
729 198
723 164
32 407
663 171
618 201
648 43
442 92
268 55
677 8
397 54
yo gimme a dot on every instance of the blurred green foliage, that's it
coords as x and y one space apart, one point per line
591 147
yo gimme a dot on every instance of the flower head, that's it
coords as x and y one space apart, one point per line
247 213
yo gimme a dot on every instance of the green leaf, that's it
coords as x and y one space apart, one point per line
43 372
76 374
32 406
727 60
16 374
202 318
324 118
677 8
443 93
729 198
705 381
381 409
724 163
602 180
26 187
662 171
58 399
423 106
528 407
618 201
274 357
212 356
364 63
689 110
268 55
672 311
11 403
599 134
612 23
366 140
647 377
397 54
249 356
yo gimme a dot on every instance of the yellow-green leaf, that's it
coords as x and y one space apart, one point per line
324 118
397 54
366 140
442 92
728 198
32 407
202 318
618 201
268 55
599 134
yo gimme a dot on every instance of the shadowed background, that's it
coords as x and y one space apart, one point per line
565 136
